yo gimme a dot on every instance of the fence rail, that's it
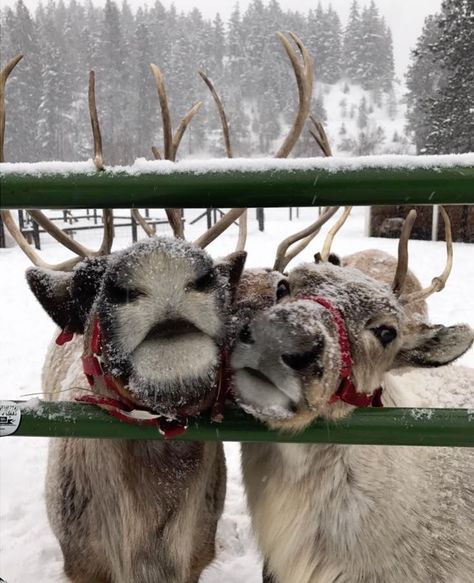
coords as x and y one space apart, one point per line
279 183
409 180
389 426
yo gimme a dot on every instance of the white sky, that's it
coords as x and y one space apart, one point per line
405 17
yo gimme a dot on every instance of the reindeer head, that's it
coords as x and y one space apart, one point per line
163 307
331 326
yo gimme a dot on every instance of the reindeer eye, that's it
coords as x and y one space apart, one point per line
385 334
283 289
204 282
123 295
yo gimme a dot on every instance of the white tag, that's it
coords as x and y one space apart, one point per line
10 416
142 415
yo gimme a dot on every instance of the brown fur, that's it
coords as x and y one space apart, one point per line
130 511
382 266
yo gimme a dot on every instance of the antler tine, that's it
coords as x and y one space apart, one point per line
319 134
98 158
242 240
221 225
107 214
306 235
6 216
228 148
48 225
165 112
149 230
171 142
402 265
438 282
156 153
4 74
333 232
221 110
304 80
183 125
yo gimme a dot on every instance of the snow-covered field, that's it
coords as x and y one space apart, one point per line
29 552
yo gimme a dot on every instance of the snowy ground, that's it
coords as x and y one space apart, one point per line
28 552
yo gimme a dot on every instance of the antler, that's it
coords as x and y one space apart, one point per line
39 216
305 236
438 283
319 134
228 148
4 74
326 250
221 225
304 80
171 143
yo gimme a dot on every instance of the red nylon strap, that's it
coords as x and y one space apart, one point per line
116 408
96 340
346 391
64 336
346 364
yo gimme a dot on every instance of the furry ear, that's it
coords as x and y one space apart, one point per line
232 267
52 290
68 296
333 258
434 345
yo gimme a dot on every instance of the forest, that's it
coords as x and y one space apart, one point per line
47 97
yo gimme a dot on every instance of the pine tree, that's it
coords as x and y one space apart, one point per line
352 44
24 88
450 116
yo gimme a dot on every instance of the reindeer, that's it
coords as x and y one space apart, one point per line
349 514
150 326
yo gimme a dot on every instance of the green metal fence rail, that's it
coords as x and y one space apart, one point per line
427 427
281 185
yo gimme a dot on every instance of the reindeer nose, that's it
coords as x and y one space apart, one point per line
245 335
303 360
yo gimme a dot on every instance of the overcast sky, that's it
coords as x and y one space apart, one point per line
405 17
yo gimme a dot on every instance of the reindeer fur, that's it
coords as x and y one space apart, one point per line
349 514
138 511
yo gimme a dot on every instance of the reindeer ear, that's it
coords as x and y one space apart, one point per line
68 296
52 290
430 346
232 267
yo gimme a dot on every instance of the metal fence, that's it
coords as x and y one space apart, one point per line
279 183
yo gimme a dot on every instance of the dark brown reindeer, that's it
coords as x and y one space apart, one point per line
350 514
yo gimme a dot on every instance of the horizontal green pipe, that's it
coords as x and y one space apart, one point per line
279 186
433 427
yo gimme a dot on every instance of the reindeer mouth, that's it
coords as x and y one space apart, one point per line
254 372
258 395
170 329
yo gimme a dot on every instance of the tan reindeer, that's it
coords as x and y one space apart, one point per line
350 514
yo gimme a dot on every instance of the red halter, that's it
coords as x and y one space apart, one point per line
124 407
346 391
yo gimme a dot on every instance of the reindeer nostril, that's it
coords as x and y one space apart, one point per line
245 335
304 359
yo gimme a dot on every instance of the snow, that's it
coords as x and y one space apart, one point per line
29 552
164 167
